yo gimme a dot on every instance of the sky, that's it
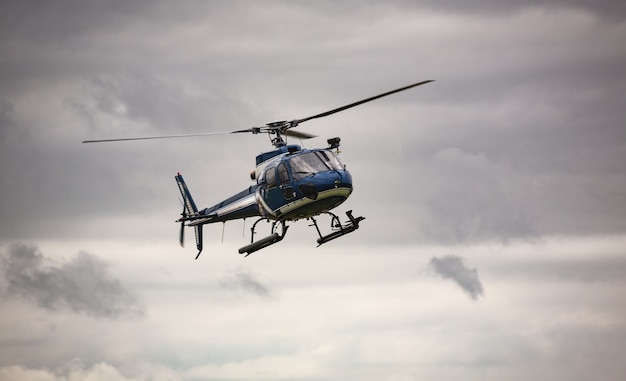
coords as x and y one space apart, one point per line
495 197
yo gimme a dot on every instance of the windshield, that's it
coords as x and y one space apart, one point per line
332 159
309 163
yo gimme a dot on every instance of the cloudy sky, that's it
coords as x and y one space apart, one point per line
495 197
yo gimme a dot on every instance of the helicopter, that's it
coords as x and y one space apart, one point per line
291 183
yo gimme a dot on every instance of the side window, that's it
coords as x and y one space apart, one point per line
283 175
270 177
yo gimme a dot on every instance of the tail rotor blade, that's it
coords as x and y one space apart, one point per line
181 235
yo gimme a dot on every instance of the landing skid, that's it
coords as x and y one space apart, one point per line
339 229
267 241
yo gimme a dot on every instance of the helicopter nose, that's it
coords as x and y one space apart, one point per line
343 179
325 181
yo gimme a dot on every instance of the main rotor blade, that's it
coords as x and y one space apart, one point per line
165 136
297 121
299 134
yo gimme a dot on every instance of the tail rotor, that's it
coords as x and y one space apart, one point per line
189 212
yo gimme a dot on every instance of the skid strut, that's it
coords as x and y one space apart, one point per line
340 229
267 241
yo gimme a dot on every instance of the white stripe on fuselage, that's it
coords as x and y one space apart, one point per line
235 206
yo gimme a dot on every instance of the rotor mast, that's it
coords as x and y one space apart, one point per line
277 129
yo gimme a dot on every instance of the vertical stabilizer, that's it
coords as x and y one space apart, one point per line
190 205
189 209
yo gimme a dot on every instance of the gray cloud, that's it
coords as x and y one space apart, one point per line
453 267
245 281
588 270
82 285
610 9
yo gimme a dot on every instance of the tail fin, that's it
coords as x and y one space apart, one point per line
189 209
189 205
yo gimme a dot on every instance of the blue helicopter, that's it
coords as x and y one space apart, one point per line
291 183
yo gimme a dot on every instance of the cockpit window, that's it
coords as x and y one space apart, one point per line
270 177
283 175
309 163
